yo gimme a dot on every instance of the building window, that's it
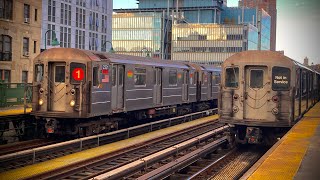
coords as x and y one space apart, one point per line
5 75
52 10
25 46
81 3
6 9
80 18
80 39
93 41
65 37
51 34
65 16
24 78
5 48
26 13
36 15
104 24
34 46
104 43
93 21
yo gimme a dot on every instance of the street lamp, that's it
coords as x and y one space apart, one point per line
54 39
144 48
105 46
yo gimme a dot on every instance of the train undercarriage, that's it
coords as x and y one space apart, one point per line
101 124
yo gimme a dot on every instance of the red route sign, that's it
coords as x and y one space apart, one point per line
78 74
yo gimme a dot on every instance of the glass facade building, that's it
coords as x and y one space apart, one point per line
203 31
211 43
141 34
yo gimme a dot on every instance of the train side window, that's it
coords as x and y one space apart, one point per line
121 75
281 78
304 82
95 76
232 77
60 74
195 77
114 75
256 78
38 73
173 77
140 76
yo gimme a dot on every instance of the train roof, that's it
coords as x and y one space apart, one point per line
259 57
86 55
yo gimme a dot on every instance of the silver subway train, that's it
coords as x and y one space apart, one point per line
263 93
80 92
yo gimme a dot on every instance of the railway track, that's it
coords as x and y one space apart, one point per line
41 154
210 161
97 166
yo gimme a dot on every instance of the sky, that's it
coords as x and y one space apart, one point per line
298 27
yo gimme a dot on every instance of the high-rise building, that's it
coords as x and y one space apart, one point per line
20 27
83 24
270 6
211 43
203 31
141 34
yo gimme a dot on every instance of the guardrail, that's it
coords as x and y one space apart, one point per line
15 94
102 139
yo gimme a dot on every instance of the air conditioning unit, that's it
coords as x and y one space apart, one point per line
26 20
26 54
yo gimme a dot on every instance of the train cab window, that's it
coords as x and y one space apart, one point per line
78 73
60 74
95 76
38 73
232 77
280 78
173 77
140 76
256 78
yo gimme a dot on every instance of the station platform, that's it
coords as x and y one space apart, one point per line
58 163
296 155
14 110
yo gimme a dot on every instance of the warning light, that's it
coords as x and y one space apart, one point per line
78 74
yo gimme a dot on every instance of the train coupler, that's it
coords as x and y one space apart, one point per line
51 125
254 135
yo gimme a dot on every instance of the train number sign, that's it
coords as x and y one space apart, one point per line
78 74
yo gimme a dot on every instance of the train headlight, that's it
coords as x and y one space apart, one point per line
41 90
275 111
72 103
40 102
72 91
235 109
275 99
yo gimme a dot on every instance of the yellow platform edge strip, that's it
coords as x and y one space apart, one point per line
14 111
285 160
32 170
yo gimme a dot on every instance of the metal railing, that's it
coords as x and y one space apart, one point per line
15 94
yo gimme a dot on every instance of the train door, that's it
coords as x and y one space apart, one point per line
255 92
209 85
185 84
117 90
57 86
157 86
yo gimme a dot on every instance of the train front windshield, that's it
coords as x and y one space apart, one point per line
232 77
38 75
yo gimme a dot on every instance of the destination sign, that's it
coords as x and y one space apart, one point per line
280 79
